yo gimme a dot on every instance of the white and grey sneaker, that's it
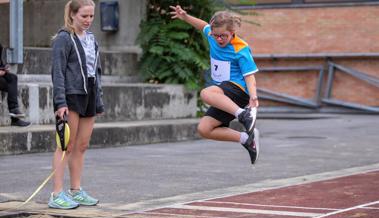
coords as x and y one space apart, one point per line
248 118
15 112
252 145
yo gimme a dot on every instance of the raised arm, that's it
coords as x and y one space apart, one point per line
178 13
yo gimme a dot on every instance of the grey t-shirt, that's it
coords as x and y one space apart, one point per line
88 44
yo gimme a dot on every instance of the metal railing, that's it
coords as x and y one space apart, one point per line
318 100
354 73
314 102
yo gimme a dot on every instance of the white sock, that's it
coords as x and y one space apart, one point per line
243 138
240 110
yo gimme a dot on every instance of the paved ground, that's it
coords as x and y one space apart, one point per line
138 181
349 196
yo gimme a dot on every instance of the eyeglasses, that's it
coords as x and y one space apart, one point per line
221 36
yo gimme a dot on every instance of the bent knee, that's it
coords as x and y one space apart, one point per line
203 130
13 77
204 94
209 92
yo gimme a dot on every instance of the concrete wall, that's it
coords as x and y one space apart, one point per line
43 18
123 102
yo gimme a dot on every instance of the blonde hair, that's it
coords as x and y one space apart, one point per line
221 18
72 7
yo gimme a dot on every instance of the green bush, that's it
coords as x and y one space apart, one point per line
174 51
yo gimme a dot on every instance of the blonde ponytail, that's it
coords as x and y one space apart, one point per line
68 24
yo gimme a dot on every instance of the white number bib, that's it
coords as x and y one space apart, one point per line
220 70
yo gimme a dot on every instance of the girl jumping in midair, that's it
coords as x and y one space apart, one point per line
234 94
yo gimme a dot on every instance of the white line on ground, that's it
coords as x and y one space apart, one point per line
276 206
371 208
231 191
241 210
181 215
348 209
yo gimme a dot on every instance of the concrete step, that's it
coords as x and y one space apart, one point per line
41 138
123 102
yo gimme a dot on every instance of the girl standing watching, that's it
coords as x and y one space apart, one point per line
77 94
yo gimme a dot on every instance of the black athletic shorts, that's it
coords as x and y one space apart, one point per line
237 95
84 105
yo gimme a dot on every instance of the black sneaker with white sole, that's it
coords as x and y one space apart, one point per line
252 145
16 113
248 118
18 122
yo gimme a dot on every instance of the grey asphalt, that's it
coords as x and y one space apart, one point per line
126 175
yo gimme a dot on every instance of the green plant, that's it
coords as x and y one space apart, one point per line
173 51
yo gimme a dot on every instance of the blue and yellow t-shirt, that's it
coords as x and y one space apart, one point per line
232 62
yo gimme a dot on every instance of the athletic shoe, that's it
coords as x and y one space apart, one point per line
252 145
16 113
247 118
18 122
81 197
61 201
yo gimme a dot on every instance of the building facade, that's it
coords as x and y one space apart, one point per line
340 37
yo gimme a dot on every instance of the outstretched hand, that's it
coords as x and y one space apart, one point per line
177 12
